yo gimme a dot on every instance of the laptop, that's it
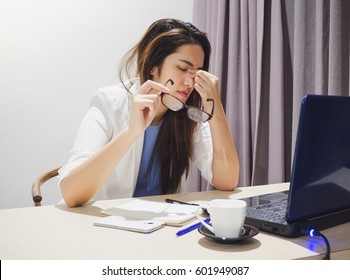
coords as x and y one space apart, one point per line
319 191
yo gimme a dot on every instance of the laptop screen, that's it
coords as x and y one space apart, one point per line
320 182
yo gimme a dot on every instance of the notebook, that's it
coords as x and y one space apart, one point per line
319 191
170 214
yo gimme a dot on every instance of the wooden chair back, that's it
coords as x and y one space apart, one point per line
36 188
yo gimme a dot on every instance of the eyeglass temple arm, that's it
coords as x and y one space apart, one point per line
212 110
169 81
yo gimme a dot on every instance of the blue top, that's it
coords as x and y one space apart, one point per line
148 179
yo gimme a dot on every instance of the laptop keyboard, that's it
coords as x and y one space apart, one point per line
272 212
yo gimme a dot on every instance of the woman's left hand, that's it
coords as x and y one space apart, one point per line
225 165
207 85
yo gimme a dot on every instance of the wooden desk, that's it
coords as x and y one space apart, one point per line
58 232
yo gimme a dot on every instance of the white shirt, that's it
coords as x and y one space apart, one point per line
108 115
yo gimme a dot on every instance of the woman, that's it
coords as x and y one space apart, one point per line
138 138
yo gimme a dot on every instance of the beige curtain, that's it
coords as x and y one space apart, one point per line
268 54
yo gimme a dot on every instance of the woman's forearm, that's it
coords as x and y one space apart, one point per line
225 164
83 182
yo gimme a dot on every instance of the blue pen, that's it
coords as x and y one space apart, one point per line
190 228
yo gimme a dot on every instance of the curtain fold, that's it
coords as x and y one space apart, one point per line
268 54
335 59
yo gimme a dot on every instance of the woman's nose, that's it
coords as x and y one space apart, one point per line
189 79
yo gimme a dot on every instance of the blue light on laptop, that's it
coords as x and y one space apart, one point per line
313 232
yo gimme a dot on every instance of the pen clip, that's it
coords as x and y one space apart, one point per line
173 201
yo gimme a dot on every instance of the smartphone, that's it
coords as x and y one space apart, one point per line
144 226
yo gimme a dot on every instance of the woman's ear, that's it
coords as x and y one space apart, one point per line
155 72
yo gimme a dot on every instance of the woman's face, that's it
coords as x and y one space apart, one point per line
180 66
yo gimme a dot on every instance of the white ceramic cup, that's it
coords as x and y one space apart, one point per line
226 217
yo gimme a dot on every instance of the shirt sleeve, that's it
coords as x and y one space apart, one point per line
94 132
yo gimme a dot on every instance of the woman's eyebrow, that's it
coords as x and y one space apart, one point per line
190 64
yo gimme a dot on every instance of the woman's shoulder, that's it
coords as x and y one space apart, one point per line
122 89
115 94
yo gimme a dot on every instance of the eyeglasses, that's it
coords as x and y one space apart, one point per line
193 113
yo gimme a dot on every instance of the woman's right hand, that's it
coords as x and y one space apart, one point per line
84 181
144 106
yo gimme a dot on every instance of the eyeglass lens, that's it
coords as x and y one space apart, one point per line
197 115
172 103
175 104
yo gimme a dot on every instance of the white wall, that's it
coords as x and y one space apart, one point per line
54 54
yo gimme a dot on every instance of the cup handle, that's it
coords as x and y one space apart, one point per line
202 221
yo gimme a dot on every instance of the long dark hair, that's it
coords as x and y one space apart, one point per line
173 146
